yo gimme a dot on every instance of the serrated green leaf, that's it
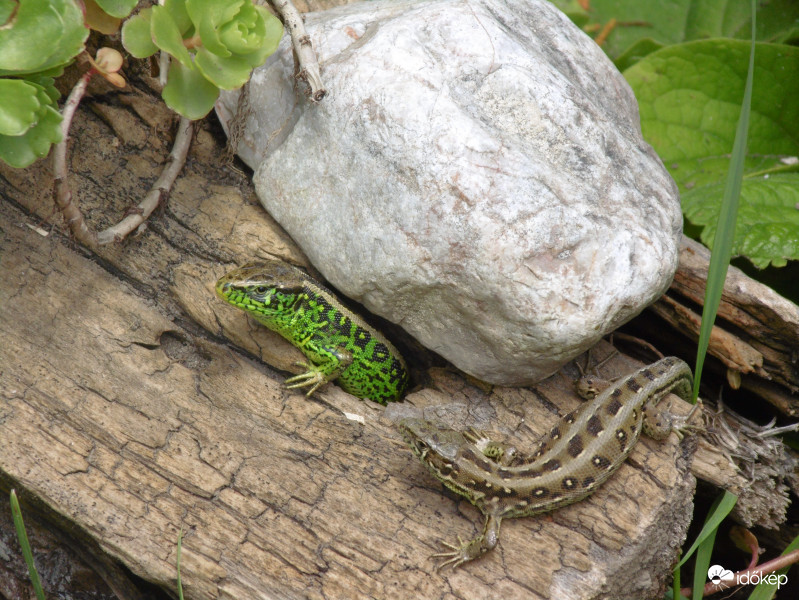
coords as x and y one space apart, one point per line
46 82
136 35
19 106
22 150
189 93
166 35
43 35
117 8
767 230
689 97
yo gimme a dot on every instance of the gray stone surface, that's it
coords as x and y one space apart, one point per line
476 174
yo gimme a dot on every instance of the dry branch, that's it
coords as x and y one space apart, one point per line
307 68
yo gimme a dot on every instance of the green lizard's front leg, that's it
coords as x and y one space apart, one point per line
325 364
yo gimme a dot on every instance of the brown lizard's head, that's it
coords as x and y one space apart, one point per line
429 441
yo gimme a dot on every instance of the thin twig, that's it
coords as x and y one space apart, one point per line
61 192
307 65
159 191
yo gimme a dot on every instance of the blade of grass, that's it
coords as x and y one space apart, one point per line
702 564
22 536
728 214
720 509
177 563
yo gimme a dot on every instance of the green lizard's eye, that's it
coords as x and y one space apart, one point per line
261 289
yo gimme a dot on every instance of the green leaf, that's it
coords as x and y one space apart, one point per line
47 84
273 33
680 21
189 93
136 35
636 52
19 106
210 15
226 73
7 9
689 97
775 20
43 35
117 8
245 33
768 220
22 150
166 35
29 121
177 10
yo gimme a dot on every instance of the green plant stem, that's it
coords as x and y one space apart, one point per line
177 564
22 536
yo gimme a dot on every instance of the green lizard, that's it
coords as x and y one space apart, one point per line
337 343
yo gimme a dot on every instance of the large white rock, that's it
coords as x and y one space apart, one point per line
476 174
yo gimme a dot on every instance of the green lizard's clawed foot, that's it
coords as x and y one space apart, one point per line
314 377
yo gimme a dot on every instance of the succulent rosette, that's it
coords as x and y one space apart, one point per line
215 45
37 39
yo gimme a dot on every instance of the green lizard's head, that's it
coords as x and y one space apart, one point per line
263 289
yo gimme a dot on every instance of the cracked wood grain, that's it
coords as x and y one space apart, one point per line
131 439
